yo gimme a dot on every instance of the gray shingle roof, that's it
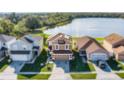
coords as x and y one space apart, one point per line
32 39
5 38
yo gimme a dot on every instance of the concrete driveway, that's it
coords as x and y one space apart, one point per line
63 64
10 73
60 71
103 75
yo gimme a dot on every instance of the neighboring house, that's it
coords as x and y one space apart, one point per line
60 47
89 49
26 48
113 41
119 53
5 42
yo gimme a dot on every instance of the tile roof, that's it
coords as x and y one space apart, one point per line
89 44
83 42
95 47
62 35
119 49
114 38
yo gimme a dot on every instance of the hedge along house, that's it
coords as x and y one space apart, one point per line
114 43
5 43
60 47
26 48
89 49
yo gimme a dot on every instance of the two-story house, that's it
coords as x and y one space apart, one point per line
26 48
60 47
5 43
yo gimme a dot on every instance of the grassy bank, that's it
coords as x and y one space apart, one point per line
83 76
33 77
121 75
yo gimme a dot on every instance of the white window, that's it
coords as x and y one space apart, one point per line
67 47
70 57
57 47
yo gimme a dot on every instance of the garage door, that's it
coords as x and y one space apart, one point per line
61 57
99 56
19 57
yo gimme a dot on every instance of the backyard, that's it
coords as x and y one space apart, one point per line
36 66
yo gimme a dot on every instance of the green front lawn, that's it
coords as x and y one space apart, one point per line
33 77
115 65
4 64
36 66
77 65
91 67
84 76
121 75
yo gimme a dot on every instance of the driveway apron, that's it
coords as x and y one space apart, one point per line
10 72
60 71
103 75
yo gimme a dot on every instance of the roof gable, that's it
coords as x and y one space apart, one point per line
114 38
6 38
119 49
58 36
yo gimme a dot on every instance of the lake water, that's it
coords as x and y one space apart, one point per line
95 27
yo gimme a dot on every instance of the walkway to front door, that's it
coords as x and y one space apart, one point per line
60 71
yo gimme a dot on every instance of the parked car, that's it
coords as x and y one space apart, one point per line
102 64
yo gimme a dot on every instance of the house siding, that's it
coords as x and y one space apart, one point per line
61 46
119 57
108 47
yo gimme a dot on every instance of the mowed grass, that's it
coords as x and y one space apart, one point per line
91 67
33 77
77 65
121 75
4 64
36 66
83 76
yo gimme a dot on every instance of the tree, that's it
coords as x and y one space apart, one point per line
1 30
32 22
6 25
20 28
13 17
